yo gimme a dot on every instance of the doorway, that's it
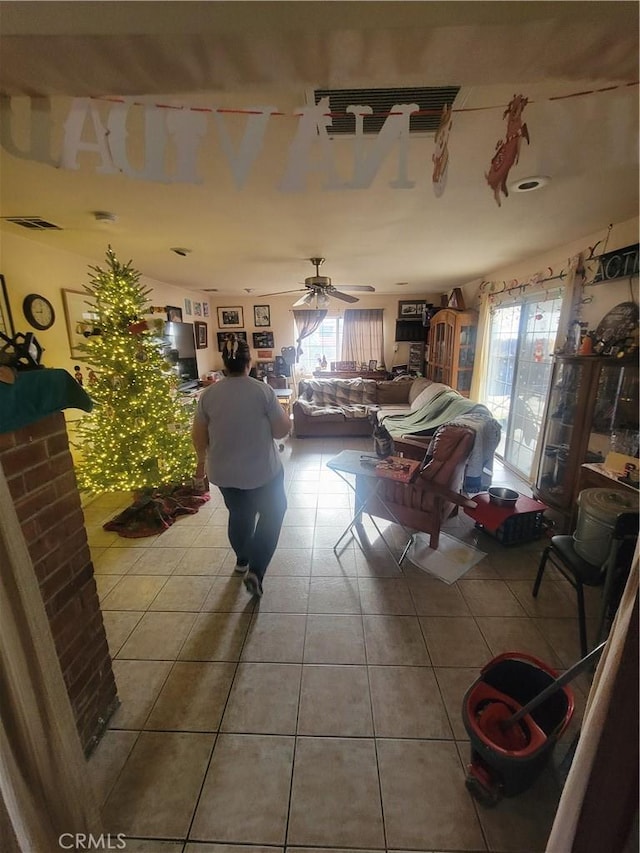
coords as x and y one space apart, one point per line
521 341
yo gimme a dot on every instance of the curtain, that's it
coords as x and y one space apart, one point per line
45 789
481 358
306 324
600 796
362 337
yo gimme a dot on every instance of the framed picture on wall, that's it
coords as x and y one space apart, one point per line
174 314
410 310
263 340
261 315
230 318
82 322
6 320
202 339
222 337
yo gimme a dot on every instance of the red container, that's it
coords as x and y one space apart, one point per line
513 679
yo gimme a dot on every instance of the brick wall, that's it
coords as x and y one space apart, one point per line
39 471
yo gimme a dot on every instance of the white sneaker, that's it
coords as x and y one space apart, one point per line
253 585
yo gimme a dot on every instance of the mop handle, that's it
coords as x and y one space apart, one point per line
569 675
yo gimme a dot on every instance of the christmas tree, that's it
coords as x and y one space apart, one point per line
138 435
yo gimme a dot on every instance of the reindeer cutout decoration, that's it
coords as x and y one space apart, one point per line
440 156
508 151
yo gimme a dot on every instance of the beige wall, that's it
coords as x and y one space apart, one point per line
30 267
283 327
605 296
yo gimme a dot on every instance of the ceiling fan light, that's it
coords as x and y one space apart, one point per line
322 300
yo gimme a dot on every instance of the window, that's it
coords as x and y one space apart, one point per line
325 342
521 343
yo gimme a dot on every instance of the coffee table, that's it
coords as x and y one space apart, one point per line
355 463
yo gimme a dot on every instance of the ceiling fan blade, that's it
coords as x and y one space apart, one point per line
281 292
304 300
366 287
344 296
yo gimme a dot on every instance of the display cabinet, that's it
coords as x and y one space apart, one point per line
592 410
451 348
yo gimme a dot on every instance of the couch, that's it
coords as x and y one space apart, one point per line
342 407
408 407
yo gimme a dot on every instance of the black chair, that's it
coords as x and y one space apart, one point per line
612 573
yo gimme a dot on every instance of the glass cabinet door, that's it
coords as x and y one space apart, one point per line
615 416
466 353
565 416
592 411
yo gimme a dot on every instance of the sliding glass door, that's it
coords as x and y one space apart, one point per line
522 338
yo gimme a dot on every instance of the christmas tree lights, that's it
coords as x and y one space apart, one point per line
138 435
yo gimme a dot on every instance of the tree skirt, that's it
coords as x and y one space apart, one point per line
156 510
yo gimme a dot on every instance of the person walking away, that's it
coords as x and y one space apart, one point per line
234 430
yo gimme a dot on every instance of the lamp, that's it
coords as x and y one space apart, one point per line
322 300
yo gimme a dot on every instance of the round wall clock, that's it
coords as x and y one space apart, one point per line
38 311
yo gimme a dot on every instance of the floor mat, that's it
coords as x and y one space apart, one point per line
449 562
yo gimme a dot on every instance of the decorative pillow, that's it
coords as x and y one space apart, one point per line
428 394
417 386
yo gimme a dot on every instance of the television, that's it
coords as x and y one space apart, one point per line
180 351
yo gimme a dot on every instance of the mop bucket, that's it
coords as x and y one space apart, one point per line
504 764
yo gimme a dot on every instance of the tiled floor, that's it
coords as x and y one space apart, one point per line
327 716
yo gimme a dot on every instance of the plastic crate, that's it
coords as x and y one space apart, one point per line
524 527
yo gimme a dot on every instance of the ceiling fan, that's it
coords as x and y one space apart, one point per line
319 289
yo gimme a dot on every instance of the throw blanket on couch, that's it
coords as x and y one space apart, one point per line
447 407
479 471
349 398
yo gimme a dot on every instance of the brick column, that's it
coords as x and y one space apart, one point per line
39 471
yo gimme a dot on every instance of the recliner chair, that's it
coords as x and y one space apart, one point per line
434 495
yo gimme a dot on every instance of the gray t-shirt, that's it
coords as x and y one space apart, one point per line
239 412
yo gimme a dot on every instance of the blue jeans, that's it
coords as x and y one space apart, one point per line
255 521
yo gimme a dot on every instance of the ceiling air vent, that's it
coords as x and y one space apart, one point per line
36 223
430 100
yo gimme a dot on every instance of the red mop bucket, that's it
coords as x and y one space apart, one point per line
507 757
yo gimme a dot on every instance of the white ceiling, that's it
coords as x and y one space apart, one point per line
241 54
